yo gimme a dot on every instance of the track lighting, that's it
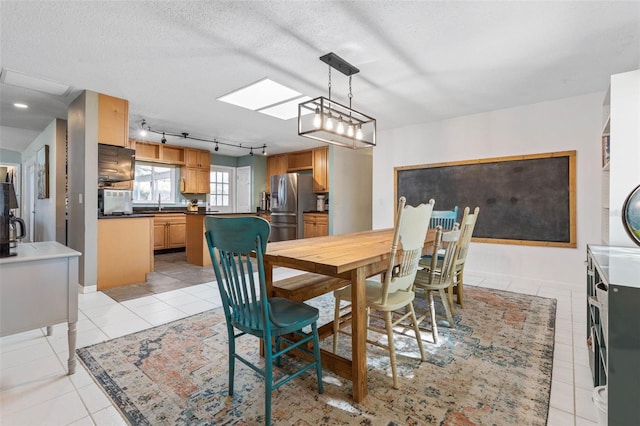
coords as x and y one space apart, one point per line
146 128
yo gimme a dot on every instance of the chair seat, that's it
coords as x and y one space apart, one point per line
287 316
423 280
374 294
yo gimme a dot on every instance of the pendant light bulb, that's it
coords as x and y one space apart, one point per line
350 131
143 132
317 119
328 123
264 150
359 133
340 127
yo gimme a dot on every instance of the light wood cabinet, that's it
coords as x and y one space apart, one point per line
301 160
125 254
320 169
194 177
276 165
113 120
197 158
169 231
160 153
315 224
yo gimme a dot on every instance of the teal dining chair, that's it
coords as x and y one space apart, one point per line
444 218
236 246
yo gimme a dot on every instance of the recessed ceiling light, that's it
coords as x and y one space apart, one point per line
261 94
287 110
15 78
19 105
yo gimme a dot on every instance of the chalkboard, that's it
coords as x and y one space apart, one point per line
523 199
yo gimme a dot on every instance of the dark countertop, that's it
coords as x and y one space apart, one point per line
125 216
316 211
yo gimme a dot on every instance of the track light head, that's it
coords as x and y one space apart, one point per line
251 152
163 140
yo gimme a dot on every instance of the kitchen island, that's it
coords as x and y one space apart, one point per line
125 250
197 250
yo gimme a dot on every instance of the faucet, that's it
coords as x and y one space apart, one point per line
159 203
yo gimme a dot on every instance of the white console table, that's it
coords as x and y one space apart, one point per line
39 288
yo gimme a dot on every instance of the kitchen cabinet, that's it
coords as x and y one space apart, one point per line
125 254
194 177
113 120
315 225
169 231
301 160
160 153
197 158
320 169
276 165
613 316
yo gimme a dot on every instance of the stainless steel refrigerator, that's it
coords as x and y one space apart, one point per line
291 195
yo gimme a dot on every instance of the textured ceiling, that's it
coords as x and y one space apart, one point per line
418 61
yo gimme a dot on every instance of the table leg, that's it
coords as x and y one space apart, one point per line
359 335
71 336
49 330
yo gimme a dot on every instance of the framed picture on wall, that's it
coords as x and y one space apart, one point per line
42 171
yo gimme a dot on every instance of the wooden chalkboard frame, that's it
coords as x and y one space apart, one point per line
567 188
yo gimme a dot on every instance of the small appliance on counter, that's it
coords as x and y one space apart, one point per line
114 202
320 203
193 205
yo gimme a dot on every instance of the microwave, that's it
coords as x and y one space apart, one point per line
114 202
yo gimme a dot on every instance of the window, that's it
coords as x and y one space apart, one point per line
222 189
153 181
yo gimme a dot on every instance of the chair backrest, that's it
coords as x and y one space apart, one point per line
410 232
233 242
444 218
468 224
444 273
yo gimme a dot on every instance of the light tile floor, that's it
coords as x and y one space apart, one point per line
34 389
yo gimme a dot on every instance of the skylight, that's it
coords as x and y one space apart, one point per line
268 97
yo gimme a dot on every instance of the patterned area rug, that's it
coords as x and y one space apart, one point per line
494 368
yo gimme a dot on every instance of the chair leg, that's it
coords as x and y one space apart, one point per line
278 362
268 380
447 309
414 321
450 297
336 325
459 288
432 312
232 360
316 354
392 350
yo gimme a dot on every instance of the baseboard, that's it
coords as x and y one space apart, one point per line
87 288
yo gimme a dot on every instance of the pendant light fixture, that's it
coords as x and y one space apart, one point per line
328 121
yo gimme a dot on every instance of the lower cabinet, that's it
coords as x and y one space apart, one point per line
613 318
169 231
125 255
315 225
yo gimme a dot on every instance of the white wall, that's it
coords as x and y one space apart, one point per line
350 174
47 225
562 125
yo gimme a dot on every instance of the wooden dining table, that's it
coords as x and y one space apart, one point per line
355 257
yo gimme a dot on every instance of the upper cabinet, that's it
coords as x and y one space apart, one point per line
113 120
315 160
194 176
197 158
276 165
320 169
159 153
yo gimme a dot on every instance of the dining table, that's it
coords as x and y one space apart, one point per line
354 257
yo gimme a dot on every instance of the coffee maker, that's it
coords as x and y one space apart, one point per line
8 201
